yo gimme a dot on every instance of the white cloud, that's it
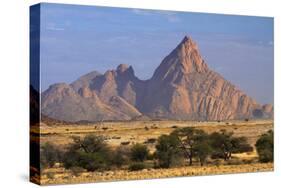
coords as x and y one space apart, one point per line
170 16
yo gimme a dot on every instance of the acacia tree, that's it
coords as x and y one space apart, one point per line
190 142
167 150
225 144
202 147
90 153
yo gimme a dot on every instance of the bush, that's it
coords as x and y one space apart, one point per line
150 141
224 144
91 153
121 156
139 152
49 155
265 146
93 161
125 143
167 150
136 166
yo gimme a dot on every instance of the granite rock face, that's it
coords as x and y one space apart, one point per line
182 88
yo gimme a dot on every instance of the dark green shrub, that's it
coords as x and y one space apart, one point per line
137 166
49 155
224 144
150 141
93 161
265 147
167 150
90 153
139 152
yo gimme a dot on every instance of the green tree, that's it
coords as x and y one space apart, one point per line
265 147
90 153
225 144
49 155
188 138
202 147
139 152
167 150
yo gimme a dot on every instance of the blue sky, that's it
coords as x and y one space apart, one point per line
79 39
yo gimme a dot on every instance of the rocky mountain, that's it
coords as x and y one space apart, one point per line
182 87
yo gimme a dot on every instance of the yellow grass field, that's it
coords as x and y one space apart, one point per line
132 132
62 176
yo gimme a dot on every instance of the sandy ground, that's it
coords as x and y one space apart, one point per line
140 131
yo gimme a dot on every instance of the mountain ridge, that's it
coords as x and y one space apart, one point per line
182 87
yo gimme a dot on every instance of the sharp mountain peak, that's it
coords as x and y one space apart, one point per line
187 41
182 87
184 59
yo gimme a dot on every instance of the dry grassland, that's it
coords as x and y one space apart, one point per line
117 133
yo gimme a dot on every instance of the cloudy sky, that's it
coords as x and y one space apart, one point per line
79 39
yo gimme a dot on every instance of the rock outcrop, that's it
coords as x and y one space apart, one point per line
182 87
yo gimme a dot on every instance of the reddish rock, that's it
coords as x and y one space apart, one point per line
182 87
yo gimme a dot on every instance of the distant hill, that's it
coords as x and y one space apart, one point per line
181 88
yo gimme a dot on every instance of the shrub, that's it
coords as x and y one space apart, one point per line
265 147
93 161
167 150
121 156
139 152
224 144
136 166
90 153
150 141
49 155
125 143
